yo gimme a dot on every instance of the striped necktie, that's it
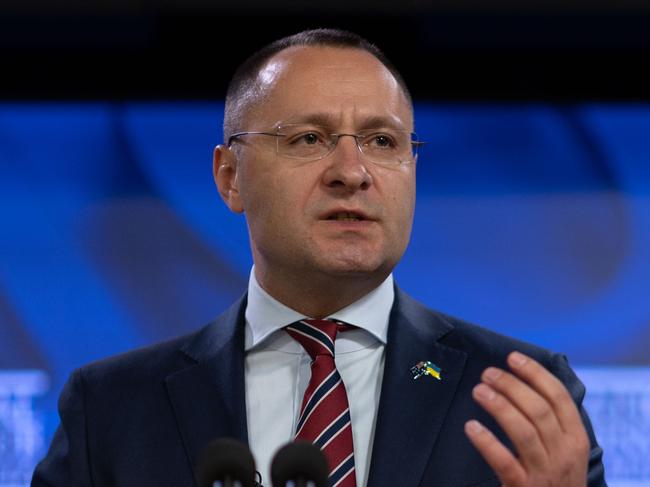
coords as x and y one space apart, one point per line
325 413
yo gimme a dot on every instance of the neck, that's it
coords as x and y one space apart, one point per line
317 296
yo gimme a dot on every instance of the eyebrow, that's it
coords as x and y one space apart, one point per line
327 120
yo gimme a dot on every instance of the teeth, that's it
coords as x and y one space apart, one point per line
345 217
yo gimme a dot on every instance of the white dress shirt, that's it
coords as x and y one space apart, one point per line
278 370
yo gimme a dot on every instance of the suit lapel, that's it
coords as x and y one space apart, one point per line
208 396
411 412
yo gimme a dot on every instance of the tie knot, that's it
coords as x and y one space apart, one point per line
317 337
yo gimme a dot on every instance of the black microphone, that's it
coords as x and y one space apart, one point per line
301 463
228 462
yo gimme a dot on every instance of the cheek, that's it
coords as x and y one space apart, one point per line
409 193
403 202
399 189
272 201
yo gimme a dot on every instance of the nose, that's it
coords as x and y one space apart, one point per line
346 167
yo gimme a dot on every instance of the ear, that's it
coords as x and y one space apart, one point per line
224 170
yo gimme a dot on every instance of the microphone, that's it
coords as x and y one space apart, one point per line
226 462
299 464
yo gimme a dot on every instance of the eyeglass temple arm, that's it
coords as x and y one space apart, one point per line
239 134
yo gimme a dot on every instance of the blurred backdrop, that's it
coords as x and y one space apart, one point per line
533 211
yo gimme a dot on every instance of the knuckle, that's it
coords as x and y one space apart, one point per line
528 436
542 412
560 396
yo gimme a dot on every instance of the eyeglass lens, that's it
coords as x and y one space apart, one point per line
310 142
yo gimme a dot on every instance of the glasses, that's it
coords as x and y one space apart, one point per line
306 142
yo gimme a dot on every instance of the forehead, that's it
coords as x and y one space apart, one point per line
343 84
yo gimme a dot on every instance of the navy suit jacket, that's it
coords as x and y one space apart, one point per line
142 418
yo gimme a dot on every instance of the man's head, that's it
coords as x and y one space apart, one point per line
245 90
343 216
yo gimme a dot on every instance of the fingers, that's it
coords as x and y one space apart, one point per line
536 409
538 414
515 424
497 456
549 387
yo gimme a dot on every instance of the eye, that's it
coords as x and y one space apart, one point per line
383 141
379 141
310 137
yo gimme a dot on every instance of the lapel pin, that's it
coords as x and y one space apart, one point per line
426 368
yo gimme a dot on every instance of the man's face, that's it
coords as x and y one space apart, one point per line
294 209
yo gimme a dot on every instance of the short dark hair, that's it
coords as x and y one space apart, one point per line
243 87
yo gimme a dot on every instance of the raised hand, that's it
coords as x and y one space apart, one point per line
541 419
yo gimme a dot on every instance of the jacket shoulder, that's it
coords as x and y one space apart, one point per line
157 359
483 345
155 362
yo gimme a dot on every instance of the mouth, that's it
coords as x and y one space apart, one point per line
346 216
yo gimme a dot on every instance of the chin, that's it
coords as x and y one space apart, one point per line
353 260
355 267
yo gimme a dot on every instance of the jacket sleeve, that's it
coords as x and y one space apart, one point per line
560 367
67 462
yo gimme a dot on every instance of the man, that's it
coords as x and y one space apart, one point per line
319 158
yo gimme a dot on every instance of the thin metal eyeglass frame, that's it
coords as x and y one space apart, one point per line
414 144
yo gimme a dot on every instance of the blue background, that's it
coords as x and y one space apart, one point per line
531 219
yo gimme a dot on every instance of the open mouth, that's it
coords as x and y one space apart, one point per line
346 216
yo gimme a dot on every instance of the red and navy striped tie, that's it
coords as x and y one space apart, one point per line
325 413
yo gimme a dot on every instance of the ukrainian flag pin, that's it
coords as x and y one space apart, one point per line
426 368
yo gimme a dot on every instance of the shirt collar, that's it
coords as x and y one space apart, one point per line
265 314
